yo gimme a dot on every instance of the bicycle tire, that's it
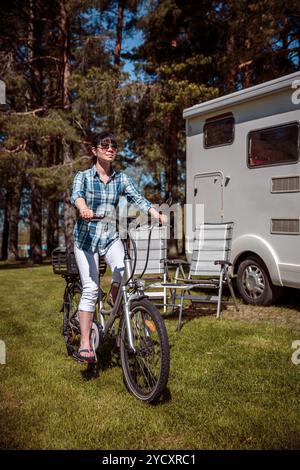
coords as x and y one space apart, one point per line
74 299
71 329
146 371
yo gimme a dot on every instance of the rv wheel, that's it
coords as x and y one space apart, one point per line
254 283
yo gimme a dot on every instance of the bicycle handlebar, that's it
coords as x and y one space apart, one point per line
96 217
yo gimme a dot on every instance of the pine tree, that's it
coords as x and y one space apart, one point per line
40 121
260 41
12 162
178 76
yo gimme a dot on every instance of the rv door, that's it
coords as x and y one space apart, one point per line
208 190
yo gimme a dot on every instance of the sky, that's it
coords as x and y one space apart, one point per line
100 23
129 44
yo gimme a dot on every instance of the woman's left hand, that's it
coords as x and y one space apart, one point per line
162 218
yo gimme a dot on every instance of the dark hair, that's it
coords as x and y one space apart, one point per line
98 138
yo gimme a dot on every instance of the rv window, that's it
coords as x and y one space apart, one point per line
219 130
273 145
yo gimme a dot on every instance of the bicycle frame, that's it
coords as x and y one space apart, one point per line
127 282
125 299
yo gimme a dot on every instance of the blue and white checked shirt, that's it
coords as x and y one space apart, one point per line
102 199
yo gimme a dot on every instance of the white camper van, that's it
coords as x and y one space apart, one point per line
243 165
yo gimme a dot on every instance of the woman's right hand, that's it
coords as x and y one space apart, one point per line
85 213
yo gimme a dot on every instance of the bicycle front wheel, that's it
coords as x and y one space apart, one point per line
146 370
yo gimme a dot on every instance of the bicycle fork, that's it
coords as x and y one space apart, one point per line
127 319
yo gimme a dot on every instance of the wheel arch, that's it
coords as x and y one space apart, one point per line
248 246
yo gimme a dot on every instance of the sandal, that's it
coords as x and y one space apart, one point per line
84 359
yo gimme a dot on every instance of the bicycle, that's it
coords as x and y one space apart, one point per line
140 333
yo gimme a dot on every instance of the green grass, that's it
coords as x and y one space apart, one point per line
232 383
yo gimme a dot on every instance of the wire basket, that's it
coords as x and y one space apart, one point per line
64 263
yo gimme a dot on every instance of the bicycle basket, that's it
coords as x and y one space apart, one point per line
64 262
71 263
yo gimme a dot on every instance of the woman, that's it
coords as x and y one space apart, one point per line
97 191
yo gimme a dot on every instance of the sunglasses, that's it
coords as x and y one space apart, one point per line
106 145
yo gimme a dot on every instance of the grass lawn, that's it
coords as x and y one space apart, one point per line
232 382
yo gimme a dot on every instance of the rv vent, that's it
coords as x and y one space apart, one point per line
287 184
285 226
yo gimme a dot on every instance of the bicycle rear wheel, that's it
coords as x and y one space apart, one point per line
71 328
145 370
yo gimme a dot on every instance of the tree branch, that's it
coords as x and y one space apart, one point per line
34 111
20 147
42 58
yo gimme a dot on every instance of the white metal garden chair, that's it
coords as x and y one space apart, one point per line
208 269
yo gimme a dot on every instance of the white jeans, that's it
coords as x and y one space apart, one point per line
88 266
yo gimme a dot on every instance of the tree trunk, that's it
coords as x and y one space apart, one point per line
118 47
66 148
13 219
36 224
4 248
35 34
69 213
65 71
231 75
52 226
68 221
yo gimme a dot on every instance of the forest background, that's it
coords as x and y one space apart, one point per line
65 66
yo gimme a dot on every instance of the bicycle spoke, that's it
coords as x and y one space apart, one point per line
143 366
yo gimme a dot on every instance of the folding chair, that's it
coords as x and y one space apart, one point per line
157 254
209 267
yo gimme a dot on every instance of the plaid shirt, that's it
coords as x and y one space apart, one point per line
102 199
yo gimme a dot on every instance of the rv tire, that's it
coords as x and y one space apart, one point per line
254 283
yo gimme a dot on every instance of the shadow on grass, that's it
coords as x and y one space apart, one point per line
164 398
193 311
14 423
9 440
23 263
108 357
289 300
